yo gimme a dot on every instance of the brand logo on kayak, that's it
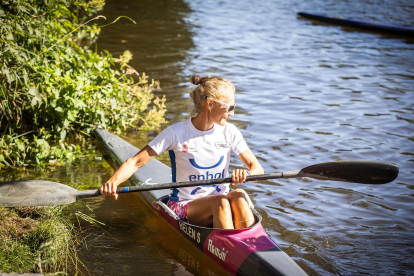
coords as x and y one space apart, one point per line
216 251
190 231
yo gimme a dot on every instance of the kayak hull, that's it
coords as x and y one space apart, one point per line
395 29
247 251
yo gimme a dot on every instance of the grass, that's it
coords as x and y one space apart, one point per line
36 240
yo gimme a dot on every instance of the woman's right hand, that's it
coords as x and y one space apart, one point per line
126 170
109 189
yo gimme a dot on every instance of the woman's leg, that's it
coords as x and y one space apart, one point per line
209 210
243 216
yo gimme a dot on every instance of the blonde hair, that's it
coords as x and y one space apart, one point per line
216 88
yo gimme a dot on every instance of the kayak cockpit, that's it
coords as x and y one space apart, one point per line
163 201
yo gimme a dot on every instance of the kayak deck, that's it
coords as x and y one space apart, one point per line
247 251
395 29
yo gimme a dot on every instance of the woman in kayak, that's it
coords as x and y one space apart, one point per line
199 149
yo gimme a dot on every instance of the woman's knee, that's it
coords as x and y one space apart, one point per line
236 194
222 201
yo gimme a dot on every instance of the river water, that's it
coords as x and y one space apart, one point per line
307 93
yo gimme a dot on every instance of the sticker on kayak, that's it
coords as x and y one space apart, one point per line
220 253
192 233
147 182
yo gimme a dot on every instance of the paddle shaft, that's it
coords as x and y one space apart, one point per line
91 193
365 172
22 193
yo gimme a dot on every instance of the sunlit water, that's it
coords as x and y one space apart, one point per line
307 93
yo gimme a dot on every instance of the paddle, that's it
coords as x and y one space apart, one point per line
46 193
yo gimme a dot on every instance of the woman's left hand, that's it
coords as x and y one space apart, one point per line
238 177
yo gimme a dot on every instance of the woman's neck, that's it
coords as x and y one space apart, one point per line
202 121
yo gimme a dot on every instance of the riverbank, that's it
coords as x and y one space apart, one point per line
54 90
36 240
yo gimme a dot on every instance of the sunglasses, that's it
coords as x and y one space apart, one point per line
229 107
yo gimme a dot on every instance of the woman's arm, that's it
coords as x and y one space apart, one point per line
250 161
126 170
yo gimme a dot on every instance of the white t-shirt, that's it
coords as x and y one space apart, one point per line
199 155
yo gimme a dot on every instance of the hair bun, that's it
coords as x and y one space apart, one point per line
197 80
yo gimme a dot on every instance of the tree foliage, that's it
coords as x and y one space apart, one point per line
54 87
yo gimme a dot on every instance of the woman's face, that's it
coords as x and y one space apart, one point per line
219 112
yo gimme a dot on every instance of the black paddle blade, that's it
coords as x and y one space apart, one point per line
27 193
365 172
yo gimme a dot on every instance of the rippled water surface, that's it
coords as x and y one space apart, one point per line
307 93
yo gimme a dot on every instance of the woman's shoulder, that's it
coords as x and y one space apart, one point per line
231 131
229 127
180 125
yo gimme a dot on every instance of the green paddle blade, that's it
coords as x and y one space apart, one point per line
26 193
366 172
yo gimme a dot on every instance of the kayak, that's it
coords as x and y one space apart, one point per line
181 250
395 29
247 251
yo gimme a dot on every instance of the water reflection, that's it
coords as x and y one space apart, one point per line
130 239
135 241
159 42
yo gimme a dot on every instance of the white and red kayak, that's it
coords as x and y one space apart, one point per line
247 251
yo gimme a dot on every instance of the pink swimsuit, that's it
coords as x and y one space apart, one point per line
180 208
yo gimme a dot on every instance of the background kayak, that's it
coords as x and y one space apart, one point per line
362 24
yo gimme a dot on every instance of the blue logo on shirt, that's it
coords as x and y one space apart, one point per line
208 175
193 162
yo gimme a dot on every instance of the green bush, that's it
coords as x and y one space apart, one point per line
55 87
